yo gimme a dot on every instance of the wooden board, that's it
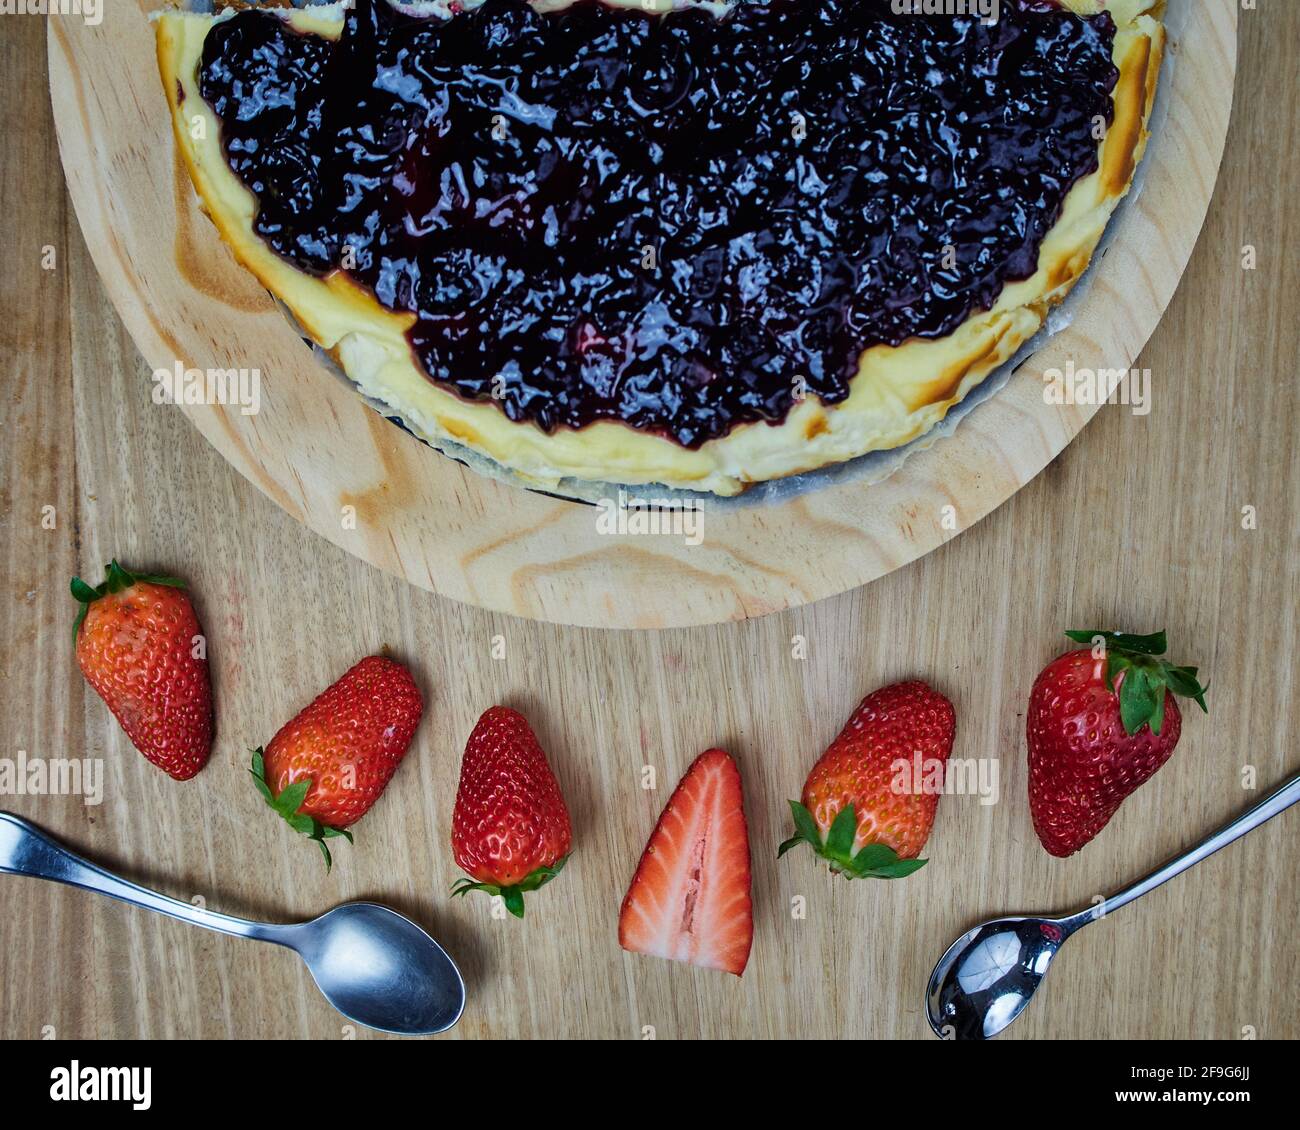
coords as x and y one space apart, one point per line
1138 522
361 482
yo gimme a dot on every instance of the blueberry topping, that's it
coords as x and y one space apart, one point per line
682 222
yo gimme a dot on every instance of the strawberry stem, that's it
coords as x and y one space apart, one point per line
1144 677
287 804
116 579
513 896
873 861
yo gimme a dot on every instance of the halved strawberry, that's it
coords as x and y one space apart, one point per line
689 900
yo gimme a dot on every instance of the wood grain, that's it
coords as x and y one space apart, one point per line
1138 522
374 490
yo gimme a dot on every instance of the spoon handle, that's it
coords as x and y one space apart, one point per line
1277 801
26 850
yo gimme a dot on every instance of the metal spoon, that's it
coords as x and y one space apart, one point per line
988 975
373 965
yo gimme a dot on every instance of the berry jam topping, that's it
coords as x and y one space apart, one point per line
679 221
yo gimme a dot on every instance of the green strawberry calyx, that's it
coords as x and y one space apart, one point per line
289 802
872 861
116 579
1146 676
513 896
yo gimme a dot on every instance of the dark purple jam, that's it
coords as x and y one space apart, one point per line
677 221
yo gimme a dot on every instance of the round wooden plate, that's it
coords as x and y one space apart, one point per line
354 477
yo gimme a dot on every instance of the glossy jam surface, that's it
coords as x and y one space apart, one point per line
679 221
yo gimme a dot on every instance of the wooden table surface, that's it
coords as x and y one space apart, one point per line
1143 523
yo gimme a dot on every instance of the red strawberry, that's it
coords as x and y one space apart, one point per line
689 899
139 646
326 767
510 829
869 803
1101 721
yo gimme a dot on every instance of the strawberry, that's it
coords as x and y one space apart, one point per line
509 830
139 645
689 899
1101 721
869 802
324 769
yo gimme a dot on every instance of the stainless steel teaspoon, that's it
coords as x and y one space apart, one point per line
373 965
989 974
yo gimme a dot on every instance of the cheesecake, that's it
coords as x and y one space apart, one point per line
704 245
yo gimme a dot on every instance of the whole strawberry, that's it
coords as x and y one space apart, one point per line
1101 721
869 803
510 829
139 646
324 769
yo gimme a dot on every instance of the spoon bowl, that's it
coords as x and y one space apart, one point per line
989 974
380 969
